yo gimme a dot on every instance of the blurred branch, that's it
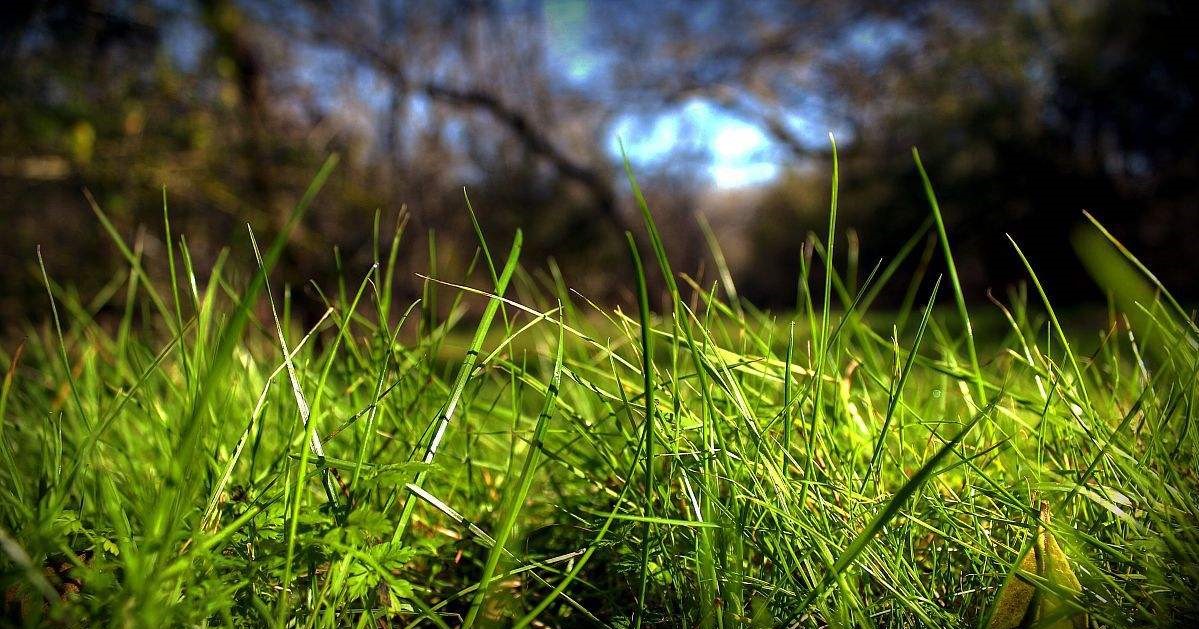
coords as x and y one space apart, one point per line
534 139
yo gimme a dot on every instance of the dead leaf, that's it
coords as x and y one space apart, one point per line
1023 603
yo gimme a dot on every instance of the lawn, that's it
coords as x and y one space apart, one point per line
504 452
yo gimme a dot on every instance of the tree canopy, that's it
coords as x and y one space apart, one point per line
1025 114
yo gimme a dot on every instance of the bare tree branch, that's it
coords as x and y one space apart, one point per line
594 180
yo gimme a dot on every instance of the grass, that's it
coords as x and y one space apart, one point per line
518 456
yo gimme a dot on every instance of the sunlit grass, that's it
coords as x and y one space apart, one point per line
510 454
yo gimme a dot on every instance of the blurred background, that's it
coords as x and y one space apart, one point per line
1025 113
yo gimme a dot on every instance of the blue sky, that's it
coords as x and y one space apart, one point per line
734 152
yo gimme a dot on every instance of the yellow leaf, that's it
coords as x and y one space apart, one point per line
1023 603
